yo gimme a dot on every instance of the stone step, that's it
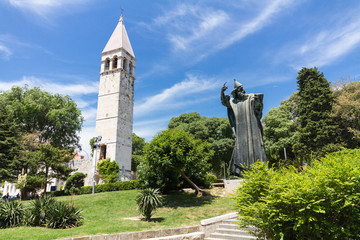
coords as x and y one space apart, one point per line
229 226
218 184
188 236
231 221
230 236
233 231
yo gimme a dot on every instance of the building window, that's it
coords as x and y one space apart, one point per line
107 64
115 62
102 152
130 67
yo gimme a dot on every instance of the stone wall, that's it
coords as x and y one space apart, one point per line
84 166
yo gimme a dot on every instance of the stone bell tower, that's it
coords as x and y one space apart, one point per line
114 119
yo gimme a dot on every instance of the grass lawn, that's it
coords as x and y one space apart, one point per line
105 213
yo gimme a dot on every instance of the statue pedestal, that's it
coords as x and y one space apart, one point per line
231 185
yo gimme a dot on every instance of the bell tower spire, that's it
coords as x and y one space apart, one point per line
114 120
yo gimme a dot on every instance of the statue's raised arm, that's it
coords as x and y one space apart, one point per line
225 99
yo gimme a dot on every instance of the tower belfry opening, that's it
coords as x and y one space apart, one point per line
114 119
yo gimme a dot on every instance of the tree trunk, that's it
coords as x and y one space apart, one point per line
198 191
46 175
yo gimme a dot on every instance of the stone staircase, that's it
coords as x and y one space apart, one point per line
229 229
219 183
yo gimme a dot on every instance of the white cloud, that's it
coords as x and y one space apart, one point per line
45 8
10 45
170 97
6 51
199 30
89 114
77 89
257 23
149 128
327 44
85 135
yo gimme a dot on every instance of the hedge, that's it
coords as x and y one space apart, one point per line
108 187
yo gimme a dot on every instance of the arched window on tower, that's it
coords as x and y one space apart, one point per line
124 64
107 64
115 62
130 67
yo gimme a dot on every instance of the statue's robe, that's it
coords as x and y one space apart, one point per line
244 116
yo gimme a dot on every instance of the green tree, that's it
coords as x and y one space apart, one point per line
50 163
56 117
346 112
138 144
171 154
10 146
109 170
216 131
281 132
318 132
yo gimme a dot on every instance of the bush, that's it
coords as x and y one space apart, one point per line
322 202
74 183
147 201
109 170
62 215
117 186
210 179
11 213
58 193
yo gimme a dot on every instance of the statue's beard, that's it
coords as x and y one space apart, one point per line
241 96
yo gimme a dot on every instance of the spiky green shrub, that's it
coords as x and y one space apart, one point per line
147 201
63 215
322 202
46 211
11 213
39 209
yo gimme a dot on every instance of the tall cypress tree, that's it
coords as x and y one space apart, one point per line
9 146
318 131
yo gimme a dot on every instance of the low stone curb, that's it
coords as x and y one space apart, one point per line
197 232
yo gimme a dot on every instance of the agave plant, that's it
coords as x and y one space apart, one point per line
39 209
147 201
63 215
11 213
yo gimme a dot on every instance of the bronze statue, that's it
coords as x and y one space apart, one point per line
244 113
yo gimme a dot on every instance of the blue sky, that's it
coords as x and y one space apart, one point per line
185 50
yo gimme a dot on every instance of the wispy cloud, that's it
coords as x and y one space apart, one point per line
6 52
149 128
89 114
10 45
85 135
178 95
52 86
198 30
327 44
46 8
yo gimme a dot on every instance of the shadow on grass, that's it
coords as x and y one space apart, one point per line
184 199
156 220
